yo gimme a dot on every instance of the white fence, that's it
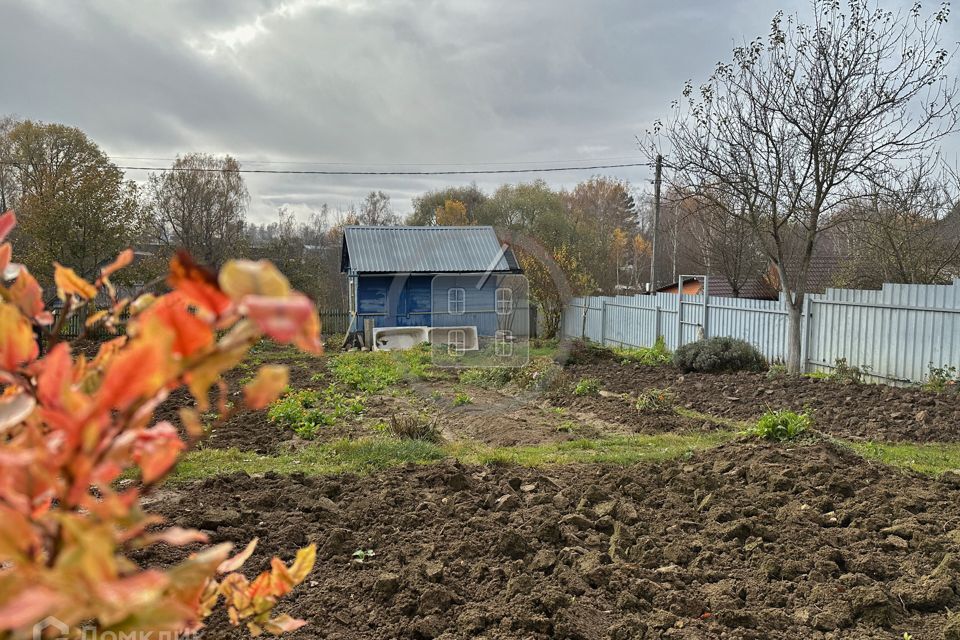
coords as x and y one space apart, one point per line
898 332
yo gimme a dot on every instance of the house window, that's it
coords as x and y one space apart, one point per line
503 344
504 299
456 301
458 342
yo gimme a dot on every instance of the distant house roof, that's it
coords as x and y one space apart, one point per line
424 250
820 276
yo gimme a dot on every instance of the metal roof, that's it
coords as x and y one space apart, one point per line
424 250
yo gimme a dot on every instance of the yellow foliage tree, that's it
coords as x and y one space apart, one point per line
452 213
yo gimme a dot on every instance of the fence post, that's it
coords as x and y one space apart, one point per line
603 323
805 335
656 320
679 312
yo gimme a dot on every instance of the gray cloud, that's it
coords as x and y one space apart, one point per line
374 83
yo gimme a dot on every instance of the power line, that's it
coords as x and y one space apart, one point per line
321 163
330 172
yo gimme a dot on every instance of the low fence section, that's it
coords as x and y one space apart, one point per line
897 333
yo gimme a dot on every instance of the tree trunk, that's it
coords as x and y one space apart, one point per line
794 336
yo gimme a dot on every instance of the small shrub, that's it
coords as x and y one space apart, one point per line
540 374
843 372
941 378
656 401
719 354
461 399
781 425
587 387
414 426
653 356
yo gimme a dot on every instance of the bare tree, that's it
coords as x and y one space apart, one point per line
375 211
799 124
200 205
908 230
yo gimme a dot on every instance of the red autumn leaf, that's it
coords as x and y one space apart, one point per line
135 372
69 283
156 450
197 283
29 605
270 382
283 623
6 254
178 536
7 222
280 318
17 343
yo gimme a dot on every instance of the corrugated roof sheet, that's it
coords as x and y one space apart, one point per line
424 250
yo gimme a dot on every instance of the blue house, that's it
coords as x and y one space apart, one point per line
428 277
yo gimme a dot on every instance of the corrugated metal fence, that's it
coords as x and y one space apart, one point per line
898 332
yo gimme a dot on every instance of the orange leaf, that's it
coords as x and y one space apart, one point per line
270 382
209 370
178 536
237 561
69 283
283 624
17 343
191 334
134 373
7 222
123 260
191 422
27 294
6 254
197 283
239 278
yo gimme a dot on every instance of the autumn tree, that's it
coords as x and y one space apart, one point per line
452 213
375 211
799 123
74 205
425 206
200 205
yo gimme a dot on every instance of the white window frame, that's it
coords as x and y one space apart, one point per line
503 346
503 298
456 301
457 342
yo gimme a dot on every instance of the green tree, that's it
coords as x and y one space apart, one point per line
73 205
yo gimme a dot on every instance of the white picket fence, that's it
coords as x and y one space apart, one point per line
897 332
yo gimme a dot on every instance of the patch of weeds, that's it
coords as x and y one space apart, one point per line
781 425
818 375
653 356
307 410
543 347
487 378
656 401
539 374
461 399
843 372
374 371
415 426
567 426
587 387
941 379
436 394
777 370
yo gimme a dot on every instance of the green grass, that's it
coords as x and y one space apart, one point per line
371 454
374 371
343 456
933 458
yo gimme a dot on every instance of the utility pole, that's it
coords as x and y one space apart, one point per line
658 174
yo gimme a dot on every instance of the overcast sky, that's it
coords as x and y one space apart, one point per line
374 84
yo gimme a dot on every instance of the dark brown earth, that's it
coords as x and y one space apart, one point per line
744 541
861 411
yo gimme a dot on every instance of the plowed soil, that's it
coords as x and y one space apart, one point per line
860 411
744 541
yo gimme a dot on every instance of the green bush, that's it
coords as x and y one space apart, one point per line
719 354
461 399
781 425
587 387
488 378
941 378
